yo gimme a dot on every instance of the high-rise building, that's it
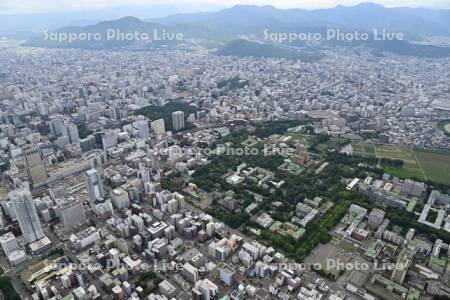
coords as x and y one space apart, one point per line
9 243
158 126
26 214
109 140
71 212
2 220
94 186
70 131
56 126
178 120
142 128
35 166
376 217
119 198
115 113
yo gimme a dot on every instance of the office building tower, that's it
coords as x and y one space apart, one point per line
142 128
88 143
119 198
158 126
109 140
56 126
71 212
2 220
35 166
9 243
94 186
115 113
376 217
70 131
178 120
26 214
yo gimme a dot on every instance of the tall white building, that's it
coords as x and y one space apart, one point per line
158 126
178 120
94 186
26 214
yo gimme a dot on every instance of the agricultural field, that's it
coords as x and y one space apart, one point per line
419 163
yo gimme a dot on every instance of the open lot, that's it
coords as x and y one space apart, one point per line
419 163
329 256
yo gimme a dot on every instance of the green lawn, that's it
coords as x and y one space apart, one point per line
419 163
364 149
444 126
435 164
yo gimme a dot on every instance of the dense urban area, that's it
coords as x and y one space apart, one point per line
183 174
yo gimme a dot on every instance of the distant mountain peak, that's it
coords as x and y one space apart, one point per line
250 8
369 4
129 20
362 5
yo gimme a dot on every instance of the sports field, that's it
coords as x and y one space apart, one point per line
444 126
422 164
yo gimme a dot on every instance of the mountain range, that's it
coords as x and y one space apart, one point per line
364 16
224 27
26 25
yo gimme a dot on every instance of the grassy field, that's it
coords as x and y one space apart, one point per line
421 164
444 126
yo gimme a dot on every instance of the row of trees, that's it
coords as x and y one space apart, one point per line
7 289
276 127
234 220
391 163
149 282
372 160
318 231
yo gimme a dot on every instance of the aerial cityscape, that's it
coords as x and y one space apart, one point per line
225 152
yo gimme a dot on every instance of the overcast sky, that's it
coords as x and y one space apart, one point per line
32 6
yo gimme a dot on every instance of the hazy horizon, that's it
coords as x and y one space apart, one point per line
52 6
